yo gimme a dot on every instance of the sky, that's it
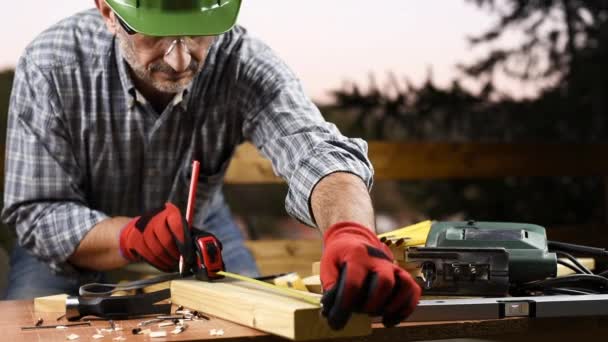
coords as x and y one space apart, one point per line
325 42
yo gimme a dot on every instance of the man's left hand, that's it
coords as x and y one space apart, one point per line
358 275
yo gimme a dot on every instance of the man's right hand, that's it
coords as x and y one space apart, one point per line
158 237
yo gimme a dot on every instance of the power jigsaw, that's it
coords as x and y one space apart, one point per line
473 258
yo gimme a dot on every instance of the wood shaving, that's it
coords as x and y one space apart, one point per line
178 330
119 338
216 332
61 327
158 334
72 337
97 336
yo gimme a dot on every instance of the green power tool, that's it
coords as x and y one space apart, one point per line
481 258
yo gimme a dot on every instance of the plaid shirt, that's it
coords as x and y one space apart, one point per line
83 144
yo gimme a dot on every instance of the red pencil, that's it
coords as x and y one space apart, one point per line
196 166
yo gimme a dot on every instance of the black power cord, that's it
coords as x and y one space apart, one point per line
572 284
584 282
574 261
578 249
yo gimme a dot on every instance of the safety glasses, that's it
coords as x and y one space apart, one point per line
153 44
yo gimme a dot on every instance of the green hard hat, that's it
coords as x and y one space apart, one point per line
177 17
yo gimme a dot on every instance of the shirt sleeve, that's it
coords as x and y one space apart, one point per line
44 201
289 130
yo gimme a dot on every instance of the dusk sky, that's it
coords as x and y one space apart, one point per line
324 42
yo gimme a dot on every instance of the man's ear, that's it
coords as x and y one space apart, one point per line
107 14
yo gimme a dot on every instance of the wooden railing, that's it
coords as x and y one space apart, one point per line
418 161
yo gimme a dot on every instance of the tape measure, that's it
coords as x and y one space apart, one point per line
309 298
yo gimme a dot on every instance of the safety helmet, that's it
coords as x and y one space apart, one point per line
177 17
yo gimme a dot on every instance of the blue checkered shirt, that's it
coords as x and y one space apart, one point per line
83 144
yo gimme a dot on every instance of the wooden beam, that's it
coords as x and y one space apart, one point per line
262 309
282 256
418 161
564 271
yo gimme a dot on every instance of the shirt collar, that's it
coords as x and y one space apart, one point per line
123 72
134 95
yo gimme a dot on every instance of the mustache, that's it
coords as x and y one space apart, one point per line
161 66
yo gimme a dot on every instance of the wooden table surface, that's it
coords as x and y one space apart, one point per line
15 314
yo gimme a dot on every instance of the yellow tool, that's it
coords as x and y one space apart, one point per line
414 235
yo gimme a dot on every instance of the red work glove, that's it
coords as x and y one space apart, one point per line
158 237
358 275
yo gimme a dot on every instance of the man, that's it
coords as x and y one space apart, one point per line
109 108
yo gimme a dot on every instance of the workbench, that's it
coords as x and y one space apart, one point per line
15 314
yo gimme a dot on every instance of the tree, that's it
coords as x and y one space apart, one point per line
562 48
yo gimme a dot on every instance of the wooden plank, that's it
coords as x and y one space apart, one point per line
249 167
563 270
483 160
262 309
282 256
285 248
313 284
54 303
273 267
417 161
316 268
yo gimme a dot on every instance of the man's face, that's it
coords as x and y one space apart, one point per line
168 64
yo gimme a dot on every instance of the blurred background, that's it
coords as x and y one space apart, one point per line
434 71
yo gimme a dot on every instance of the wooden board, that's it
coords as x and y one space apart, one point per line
283 256
262 309
313 284
316 268
54 303
563 270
